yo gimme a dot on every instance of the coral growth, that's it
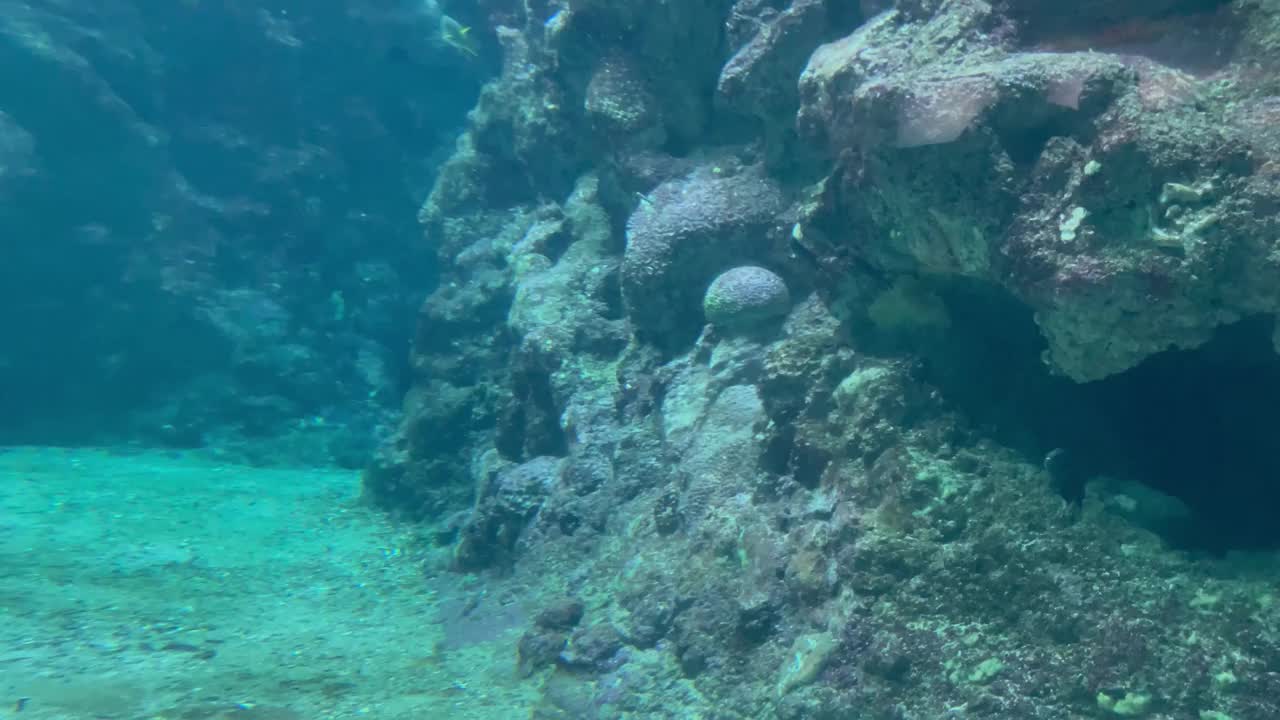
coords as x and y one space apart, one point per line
962 473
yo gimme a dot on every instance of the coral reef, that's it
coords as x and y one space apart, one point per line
974 471
1113 195
683 234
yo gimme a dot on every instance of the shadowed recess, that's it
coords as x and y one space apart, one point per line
1198 425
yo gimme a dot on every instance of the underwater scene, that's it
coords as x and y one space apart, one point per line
640 359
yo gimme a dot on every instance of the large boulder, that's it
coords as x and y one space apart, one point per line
1101 189
683 234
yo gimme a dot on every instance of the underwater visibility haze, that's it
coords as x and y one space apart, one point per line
640 359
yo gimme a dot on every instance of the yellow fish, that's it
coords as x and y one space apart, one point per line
456 35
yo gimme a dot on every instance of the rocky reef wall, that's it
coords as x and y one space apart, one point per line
823 359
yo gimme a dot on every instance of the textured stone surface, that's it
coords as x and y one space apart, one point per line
618 102
508 499
759 79
683 234
744 297
1095 187
862 514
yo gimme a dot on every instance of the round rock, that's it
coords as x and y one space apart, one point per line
744 297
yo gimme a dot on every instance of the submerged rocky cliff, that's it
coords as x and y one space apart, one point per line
207 211
833 359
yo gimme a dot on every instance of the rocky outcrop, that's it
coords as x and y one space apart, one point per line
884 504
686 232
1115 195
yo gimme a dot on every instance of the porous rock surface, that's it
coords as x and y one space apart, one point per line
802 525
685 233
1122 199
746 296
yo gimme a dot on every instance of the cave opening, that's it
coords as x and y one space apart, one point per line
1198 425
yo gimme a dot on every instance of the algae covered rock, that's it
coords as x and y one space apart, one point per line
685 232
509 497
621 107
808 658
746 297
759 80
1101 189
851 520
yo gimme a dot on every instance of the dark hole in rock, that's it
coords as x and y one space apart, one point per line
1108 25
1198 37
1025 148
1198 425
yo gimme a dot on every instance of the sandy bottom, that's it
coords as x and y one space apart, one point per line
150 586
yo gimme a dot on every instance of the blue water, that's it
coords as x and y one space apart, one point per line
630 359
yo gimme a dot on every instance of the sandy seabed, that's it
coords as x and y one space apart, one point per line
148 586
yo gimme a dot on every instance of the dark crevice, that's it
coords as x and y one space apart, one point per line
529 426
1197 425
1103 24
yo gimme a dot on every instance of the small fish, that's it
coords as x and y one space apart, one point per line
456 35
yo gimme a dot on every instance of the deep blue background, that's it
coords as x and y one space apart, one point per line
208 217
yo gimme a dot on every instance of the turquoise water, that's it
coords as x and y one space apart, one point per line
639 360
